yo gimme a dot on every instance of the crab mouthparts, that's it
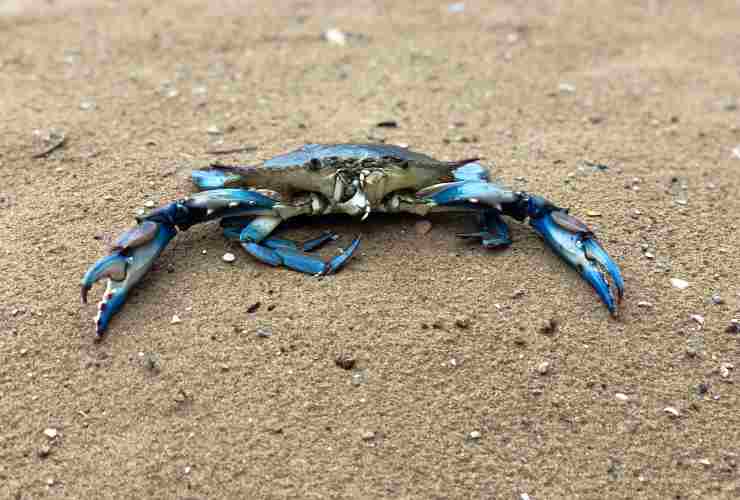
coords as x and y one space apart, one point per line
358 204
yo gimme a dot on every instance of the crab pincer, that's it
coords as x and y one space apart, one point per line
131 256
567 236
575 243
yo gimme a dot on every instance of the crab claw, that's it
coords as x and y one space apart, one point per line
131 257
572 240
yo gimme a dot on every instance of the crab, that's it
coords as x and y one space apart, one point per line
354 179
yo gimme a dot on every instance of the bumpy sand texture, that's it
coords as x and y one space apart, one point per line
454 397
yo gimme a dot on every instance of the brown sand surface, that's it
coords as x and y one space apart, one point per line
207 409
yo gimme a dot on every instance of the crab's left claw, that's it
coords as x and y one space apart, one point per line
572 240
132 255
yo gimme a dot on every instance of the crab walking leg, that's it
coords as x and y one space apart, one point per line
567 236
254 238
494 232
134 252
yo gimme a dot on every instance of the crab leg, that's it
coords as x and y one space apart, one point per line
494 233
134 252
570 238
254 238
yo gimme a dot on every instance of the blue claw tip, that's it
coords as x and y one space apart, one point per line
112 266
108 307
597 254
575 244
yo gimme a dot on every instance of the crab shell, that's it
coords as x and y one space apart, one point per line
341 171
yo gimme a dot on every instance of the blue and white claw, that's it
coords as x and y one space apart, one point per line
130 259
575 243
568 237
133 254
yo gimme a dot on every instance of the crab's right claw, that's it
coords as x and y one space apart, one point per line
572 240
132 255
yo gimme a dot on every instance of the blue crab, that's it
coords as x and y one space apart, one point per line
354 179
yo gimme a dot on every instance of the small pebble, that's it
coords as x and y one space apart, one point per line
736 151
694 345
724 369
44 451
151 362
543 368
733 327
149 204
698 319
474 435
345 361
462 322
705 462
645 303
50 481
566 88
51 432
679 283
702 388
524 496
518 293
621 397
368 436
229 257
673 412
728 104
214 130
264 332
649 255
175 319
456 8
549 326
717 299
87 105
335 36
422 227
359 377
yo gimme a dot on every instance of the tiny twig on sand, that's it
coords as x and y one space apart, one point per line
227 151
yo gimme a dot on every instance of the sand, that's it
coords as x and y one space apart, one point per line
451 400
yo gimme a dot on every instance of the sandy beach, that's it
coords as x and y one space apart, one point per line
625 112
